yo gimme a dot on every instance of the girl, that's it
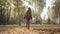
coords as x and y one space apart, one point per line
28 16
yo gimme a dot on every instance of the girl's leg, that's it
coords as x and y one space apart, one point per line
27 24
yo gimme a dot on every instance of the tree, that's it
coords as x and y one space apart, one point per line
2 11
54 12
56 9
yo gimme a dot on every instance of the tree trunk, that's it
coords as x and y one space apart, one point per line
18 13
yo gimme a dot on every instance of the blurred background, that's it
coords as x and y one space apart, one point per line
44 12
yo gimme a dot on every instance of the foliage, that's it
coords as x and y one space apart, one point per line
57 7
13 11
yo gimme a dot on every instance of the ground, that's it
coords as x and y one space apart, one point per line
51 29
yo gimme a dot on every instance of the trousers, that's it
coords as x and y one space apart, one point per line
27 24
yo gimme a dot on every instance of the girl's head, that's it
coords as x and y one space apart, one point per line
29 8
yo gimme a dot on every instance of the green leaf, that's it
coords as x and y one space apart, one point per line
29 2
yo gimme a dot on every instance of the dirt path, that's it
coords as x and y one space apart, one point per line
19 31
32 30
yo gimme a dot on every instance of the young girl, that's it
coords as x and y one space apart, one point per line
28 16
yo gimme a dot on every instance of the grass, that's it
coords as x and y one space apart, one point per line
17 25
8 26
35 24
31 24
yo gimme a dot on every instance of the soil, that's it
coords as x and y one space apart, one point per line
36 30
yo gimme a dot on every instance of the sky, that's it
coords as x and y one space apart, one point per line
28 5
45 9
49 3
